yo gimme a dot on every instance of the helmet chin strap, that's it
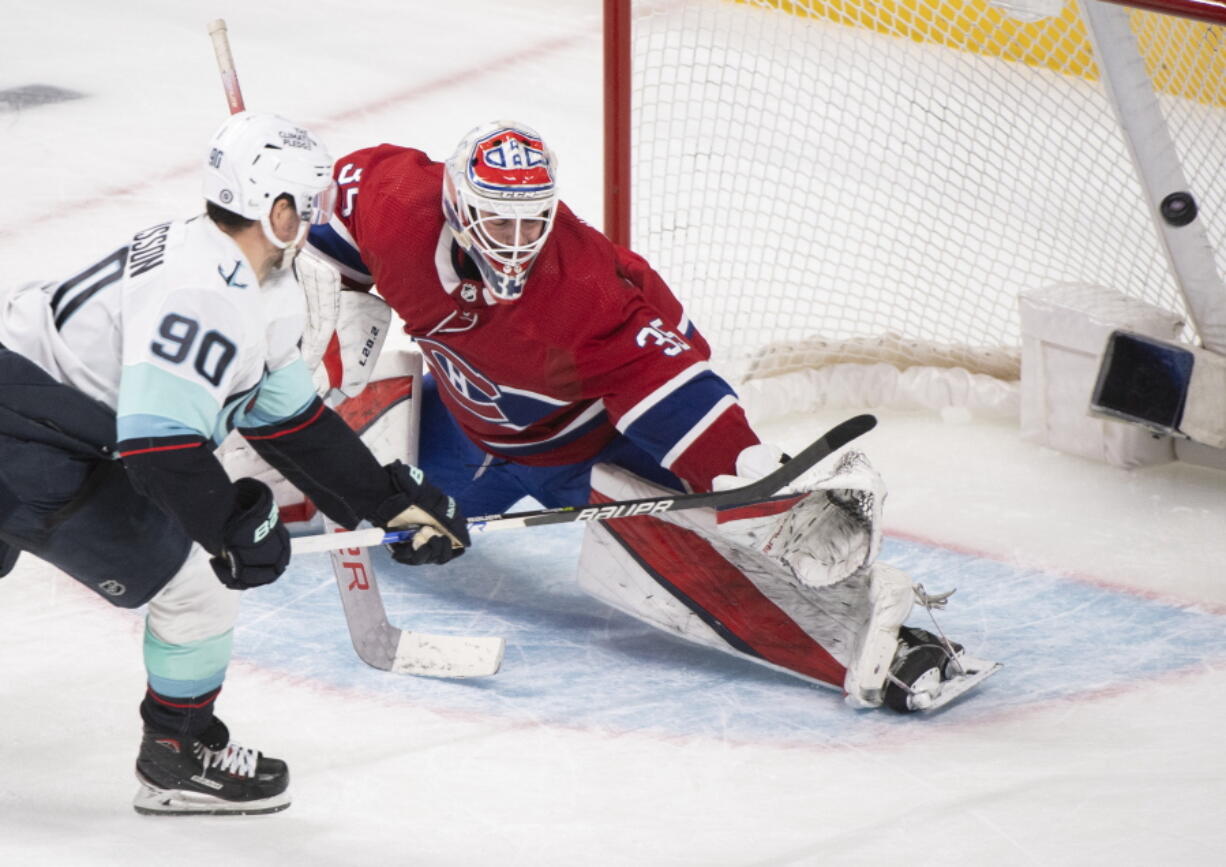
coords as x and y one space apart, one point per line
266 224
289 249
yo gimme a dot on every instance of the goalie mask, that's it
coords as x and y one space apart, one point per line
255 158
500 199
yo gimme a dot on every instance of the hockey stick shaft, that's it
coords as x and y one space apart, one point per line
762 489
225 65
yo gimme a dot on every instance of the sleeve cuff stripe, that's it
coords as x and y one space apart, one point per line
165 448
145 445
286 432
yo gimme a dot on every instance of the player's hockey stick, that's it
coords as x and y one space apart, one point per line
400 651
763 489
376 641
225 65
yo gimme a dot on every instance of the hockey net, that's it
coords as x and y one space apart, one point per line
835 181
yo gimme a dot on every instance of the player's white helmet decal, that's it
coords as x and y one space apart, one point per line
500 198
254 158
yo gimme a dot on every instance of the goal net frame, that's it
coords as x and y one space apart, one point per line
1148 70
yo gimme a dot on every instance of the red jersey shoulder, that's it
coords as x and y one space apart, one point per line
585 288
575 286
382 190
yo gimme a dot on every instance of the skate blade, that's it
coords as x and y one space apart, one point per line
152 801
958 686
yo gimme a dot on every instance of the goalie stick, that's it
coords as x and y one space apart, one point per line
377 642
761 490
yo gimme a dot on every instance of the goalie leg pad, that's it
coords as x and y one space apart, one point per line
672 579
345 330
679 574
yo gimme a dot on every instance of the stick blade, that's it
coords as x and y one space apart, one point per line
830 442
401 651
450 656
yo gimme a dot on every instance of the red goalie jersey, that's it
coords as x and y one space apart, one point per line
596 344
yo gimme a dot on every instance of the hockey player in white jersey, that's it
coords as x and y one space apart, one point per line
115 386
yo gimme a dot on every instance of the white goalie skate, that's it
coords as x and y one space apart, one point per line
930 671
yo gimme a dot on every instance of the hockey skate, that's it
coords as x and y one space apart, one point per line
929 672
207 775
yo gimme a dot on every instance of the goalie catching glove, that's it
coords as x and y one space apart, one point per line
829 528
443 533
256 542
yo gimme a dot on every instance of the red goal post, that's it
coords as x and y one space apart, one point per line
824 181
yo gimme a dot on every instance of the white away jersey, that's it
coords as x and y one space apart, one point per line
172 330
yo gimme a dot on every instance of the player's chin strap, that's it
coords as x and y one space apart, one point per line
291 247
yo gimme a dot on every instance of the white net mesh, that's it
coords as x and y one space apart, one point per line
852 169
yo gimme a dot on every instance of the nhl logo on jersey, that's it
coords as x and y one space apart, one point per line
468 292
112 588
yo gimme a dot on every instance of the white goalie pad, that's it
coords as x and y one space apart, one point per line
344 333
680 572
386 415
321 287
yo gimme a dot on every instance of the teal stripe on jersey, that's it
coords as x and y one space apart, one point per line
132 427
181 670
283 394
148 392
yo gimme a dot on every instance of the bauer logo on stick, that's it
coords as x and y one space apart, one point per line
603 513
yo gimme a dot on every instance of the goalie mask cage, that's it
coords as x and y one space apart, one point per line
850 180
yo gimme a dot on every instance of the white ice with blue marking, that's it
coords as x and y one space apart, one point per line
572 661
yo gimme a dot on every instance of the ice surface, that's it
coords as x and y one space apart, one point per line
601 742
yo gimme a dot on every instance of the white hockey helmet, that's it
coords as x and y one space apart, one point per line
255 158
500 198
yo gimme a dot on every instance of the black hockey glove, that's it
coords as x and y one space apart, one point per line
417 503
256 542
